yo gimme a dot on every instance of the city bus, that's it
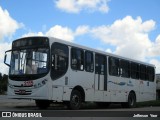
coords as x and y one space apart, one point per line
47 69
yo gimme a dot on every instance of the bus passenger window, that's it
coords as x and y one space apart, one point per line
134 70
59 60
100 62
77 59
89 61
143 75
125 68
113 66
150 73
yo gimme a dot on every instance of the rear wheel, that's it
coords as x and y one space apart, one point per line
42 104
131 103
75 100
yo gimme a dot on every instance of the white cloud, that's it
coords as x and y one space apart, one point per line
8 25
155 49
156 63
148 25
33 34
67 5
128 35
75 6
4 47
81 30
108 50
158 39
58 31
61 32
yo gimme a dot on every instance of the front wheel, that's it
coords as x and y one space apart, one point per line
75 100
131 103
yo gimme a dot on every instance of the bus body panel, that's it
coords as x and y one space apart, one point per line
80 78
147 90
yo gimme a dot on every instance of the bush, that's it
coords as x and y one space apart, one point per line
3 83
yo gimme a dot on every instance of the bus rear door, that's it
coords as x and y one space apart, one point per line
100 77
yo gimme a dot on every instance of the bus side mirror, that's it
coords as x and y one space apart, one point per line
5 59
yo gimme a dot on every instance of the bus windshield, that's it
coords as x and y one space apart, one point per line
29 61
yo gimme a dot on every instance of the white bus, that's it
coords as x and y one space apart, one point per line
47 70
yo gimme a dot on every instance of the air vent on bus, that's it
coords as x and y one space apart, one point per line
22 92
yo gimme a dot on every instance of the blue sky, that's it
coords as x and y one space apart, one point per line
130 28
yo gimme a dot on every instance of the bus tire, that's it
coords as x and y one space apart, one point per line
42 104
75 100
131 103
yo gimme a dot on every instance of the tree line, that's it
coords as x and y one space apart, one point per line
3 83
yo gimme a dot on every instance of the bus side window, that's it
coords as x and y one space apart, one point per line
143 75
113 66
100 62
77 59
134 70
150 73
59 59
89 67
125 68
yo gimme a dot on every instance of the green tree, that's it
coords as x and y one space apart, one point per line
0 83
3 83
0 76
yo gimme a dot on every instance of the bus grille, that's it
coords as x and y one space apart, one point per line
22 92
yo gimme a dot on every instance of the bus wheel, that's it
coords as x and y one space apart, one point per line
131 101
42 104
75 100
